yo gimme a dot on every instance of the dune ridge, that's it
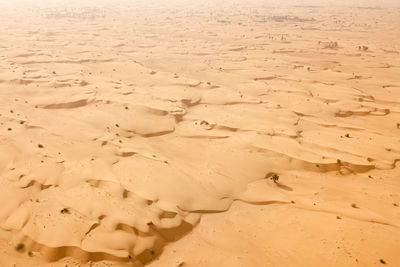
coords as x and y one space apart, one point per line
126 143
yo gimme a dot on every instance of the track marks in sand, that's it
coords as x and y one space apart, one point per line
363 218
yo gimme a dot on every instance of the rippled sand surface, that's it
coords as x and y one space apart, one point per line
147 134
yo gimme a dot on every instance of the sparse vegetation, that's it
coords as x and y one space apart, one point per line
353 205
82 14
332 45
382 261
65 211
20 247
347 135
40 146
275 178
338 217
152 252
287 18
364 48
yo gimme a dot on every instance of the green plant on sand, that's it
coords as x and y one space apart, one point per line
275 177
19 247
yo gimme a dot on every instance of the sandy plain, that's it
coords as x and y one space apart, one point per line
145 134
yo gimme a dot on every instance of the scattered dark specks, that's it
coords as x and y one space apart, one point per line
64 211
20 247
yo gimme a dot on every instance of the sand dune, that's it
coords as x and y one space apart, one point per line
138 133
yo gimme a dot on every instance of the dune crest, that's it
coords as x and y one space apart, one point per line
126 143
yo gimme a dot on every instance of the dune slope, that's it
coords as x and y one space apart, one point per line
140 134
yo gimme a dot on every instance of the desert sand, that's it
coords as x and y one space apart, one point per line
138 133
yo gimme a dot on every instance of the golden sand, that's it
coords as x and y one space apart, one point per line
136 133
